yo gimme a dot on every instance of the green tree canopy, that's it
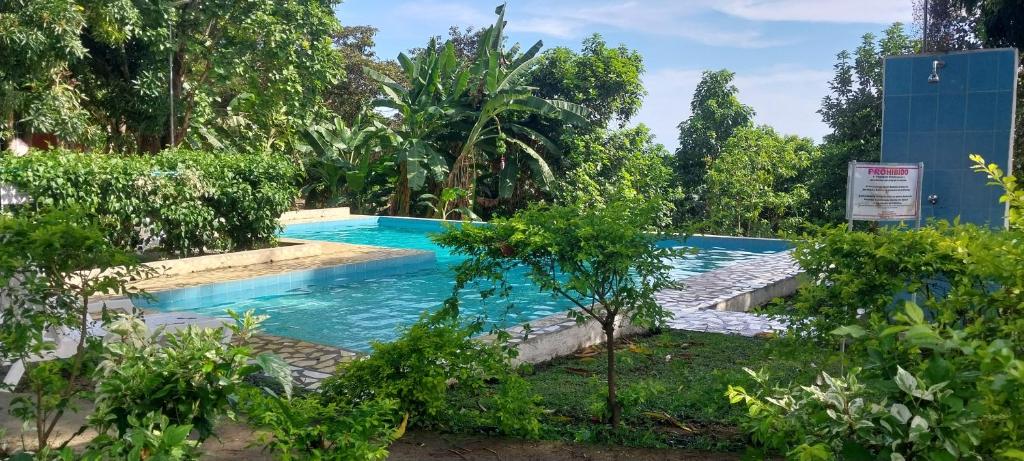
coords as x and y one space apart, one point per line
605 80
604 165
757 185
104 69
716 113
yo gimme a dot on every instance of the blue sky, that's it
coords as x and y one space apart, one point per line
781 50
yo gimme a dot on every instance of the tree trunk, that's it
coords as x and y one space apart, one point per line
613 401
402 196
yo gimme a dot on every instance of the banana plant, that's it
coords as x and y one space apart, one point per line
426 106
338 158
503 102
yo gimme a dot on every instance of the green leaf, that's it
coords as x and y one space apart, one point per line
852 331
905 381
276 368
914 312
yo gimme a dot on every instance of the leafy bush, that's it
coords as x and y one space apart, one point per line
942 380
417 370
192 379
307 427
859 275
198 201
517 408
757 184
601 166
152 437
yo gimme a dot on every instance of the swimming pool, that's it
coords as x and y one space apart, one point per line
351 307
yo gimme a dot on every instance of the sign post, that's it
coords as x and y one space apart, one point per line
884 192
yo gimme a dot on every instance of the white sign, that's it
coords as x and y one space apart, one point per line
884 191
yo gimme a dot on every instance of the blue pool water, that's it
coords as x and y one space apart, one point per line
353 306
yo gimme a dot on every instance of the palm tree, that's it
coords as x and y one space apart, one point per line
338 158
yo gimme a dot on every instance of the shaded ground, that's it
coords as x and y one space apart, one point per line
430 446
235 440
672 386
417 446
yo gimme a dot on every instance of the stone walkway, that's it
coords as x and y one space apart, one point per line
310 363
705 301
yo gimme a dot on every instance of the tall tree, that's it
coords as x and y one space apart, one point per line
39 40
266 62
950 26
715 114
757 186
466 42
602 165
853 109
352 95
1001 24
603 79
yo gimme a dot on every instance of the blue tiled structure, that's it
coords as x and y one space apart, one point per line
969 110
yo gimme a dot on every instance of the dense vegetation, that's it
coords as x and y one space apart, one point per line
189 127
928 325
183 202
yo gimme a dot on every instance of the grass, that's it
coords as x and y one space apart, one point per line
672 386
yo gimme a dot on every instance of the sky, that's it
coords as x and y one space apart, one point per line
782 51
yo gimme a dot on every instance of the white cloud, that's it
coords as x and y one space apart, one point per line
784 97
553 27
676 19
839 11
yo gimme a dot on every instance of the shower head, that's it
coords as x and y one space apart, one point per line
936 65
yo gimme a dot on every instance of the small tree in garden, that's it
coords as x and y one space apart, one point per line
604 260
51 265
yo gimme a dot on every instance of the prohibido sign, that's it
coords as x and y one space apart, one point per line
884 191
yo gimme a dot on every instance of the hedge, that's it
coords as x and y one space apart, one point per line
193 201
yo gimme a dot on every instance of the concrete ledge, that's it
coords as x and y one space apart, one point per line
323 214
288 249
746 301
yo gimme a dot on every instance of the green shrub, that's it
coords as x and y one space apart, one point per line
415 369
306 427
517 409
193 378
941 378
47 280
198 201
152 437
435 355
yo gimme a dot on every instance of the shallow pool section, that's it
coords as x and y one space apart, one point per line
351 307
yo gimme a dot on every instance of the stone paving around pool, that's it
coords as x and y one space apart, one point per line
332 254
706 300
310 363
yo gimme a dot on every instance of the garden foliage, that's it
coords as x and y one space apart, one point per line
194 201
602 259
434 356
310 427
934 376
